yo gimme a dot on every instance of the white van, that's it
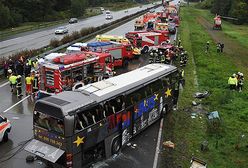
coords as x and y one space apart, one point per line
74 48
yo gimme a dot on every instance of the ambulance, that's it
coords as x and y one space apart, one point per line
5 128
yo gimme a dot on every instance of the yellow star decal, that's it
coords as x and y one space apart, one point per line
156 97
168 92
79 141
145 103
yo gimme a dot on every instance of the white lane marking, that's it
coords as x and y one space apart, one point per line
2 85
16 104
155 162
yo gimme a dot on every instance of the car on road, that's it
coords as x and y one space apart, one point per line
61 30
102 9
5 128
73 20
108 15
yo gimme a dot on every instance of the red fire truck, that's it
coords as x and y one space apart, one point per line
144 39
121 52
63 72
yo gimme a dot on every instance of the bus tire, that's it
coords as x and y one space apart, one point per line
5 136
116 145
164 111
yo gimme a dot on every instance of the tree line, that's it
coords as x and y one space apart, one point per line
230 8
14 12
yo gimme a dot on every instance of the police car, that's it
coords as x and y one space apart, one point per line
5 128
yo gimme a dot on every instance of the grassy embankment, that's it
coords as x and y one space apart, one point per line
212 72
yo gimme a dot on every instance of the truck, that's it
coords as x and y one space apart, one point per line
144 39
121 52
63 72
139 24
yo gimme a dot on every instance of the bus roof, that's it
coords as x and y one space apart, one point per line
106 89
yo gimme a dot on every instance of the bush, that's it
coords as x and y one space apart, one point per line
75 35
86 31
54 43
66 39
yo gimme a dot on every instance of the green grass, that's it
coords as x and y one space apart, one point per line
237 32
212 72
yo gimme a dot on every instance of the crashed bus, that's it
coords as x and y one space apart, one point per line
74 129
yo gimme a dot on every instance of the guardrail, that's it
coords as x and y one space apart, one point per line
103 29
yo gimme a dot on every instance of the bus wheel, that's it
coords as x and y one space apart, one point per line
164 111
116 145
5 137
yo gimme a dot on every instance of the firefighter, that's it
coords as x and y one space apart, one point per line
233 82
240 82
181 77
179 42
19 86
221 47
28 82
207 47
35 83
218 47
12 80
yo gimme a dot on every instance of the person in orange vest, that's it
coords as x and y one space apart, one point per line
28 82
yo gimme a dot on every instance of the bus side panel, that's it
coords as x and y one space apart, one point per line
146 112
126 125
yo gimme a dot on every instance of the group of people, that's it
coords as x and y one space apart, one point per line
20 67
31 82
219 47
236 81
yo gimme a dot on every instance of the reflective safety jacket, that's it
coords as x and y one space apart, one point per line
28 80
12 79
232 81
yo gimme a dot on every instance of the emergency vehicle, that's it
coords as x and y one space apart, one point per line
144 39
121 52
139 24
63 72
114 38
5 128
149 16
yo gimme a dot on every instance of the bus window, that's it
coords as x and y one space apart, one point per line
155 86
108 110
166 81
174 77
48 122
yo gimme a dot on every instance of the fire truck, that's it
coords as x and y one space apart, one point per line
144 39
63 72
121 52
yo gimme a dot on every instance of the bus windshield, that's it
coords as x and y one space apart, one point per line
48 122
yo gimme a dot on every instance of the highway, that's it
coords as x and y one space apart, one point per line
19 112
41 38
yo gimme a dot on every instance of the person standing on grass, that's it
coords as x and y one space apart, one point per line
233 82
207 47
218 47
240 82
221 47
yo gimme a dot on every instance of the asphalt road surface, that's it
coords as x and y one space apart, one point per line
41 38
19 112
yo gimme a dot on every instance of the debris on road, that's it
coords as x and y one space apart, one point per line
169 144
197 163
201 95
